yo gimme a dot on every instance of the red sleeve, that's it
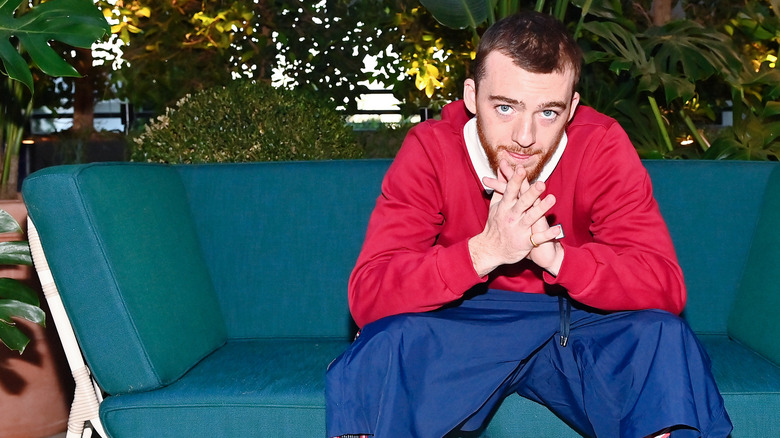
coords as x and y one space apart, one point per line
630 263
401 268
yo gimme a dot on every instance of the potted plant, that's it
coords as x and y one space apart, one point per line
33 392
27 30
17 300
35 388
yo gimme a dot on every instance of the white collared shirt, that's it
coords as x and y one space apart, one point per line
480 161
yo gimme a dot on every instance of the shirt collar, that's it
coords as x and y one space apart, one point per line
480 162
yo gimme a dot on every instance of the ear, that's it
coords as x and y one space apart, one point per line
575 100
470 95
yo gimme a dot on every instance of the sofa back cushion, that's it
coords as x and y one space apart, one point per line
754 320
125 256
711 208
280 240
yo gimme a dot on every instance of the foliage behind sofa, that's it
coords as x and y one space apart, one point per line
209 299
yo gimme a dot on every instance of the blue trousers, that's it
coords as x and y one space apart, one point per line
625 374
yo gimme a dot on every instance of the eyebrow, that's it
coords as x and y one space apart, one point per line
509 100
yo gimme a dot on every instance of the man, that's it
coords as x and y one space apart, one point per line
520 251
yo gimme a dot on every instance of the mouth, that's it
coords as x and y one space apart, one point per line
518 157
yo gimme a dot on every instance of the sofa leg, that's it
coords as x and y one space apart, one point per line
85 407
87 397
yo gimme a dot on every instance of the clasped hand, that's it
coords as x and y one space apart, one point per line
516 227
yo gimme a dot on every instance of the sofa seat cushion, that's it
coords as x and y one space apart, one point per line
750 386
746 381
275 387
268 387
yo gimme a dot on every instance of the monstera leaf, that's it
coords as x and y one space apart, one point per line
17 300
689 50
624 52
78 23
459 14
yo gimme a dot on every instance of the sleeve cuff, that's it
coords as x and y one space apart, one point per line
456 268
577 270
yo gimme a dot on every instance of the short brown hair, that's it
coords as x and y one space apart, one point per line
536 42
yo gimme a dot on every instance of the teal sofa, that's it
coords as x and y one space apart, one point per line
208 300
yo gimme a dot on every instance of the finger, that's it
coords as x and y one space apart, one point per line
525 184
505 171
504 174
531 198
494 184
512 191
541 224
499 183
539 210
550 234
521 175
496 198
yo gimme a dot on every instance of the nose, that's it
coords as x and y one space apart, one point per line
524 133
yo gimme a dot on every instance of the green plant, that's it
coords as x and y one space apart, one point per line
246 121
472 14
669 64
756 115
666 78
171 48
440 39
25 33
17 300
383 140
26 30
430 63
755 103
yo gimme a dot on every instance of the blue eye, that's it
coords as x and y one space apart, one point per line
504 109
549 114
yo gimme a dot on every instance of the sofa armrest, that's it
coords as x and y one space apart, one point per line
754 319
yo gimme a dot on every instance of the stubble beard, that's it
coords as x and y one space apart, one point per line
493 152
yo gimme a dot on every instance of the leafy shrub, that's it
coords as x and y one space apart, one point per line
384 140
246 121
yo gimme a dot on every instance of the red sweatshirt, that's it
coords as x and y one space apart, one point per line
618 254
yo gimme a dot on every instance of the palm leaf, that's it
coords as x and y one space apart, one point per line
762 84
676 87
459 14
77 23
689 50
620 46
608 9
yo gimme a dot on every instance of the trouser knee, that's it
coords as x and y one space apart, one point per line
663 325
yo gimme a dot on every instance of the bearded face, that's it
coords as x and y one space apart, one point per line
536 159
521 116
